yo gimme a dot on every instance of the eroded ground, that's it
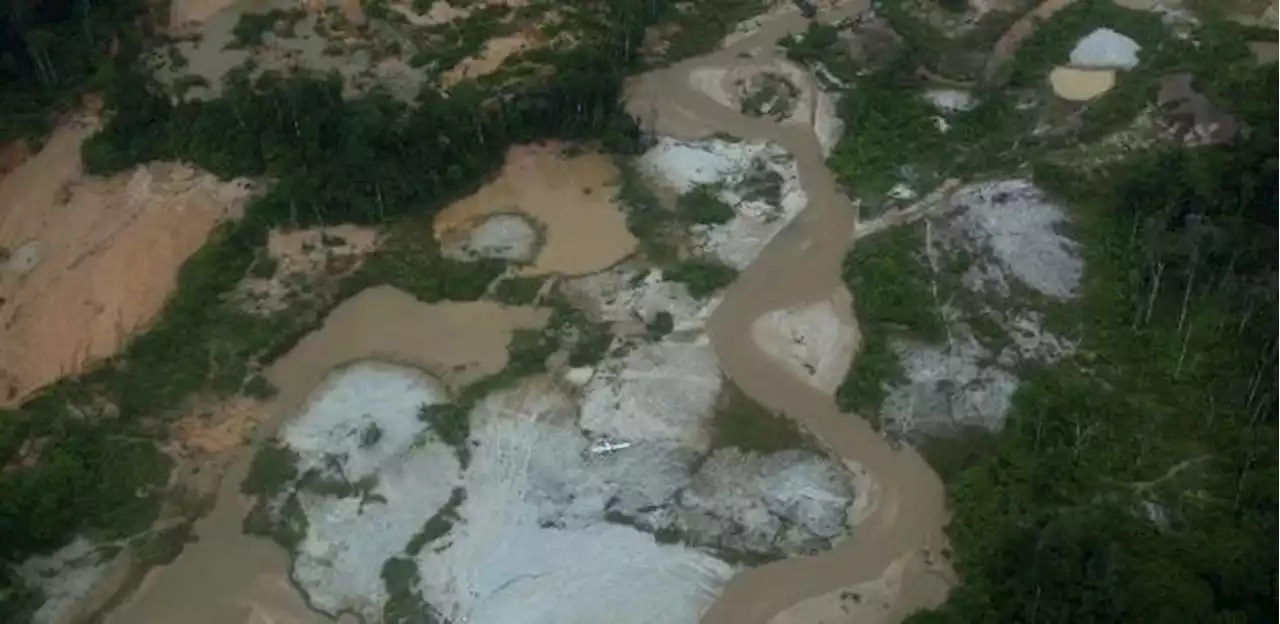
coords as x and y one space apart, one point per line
88 262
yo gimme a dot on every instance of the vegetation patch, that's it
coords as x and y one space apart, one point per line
1146 459
701 277
518 291
772 95
742 423
702 205
894 299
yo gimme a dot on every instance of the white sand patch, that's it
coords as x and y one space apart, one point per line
625 294
793 500
66 577
950 100
1105 49
740 169
659 392
527 548
505 236
355 400
1019 224
814 342
339 562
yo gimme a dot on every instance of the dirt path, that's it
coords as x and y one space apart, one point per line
1021 30
802 265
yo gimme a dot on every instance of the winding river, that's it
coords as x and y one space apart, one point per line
802 265
227 576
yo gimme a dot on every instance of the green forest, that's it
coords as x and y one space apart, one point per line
1132 483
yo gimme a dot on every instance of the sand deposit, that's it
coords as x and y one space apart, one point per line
339 561
1105 49
495 52
875 601
191 12
509 237
67 577
626 294
759 180
1081 85
94 259
571 196
302 257
799 100
950 100
814 342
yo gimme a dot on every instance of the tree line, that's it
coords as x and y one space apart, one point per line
1136 481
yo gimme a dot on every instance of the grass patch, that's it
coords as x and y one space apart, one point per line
773 97
701 205
518 291
893 286
452 425
652 224
274 467
438 524
701 277
405 605
743 424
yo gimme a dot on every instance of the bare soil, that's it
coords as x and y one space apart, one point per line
571 196
495 51
191 12
303 257
92 260
1081 85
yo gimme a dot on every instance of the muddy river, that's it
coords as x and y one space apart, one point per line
802 265
230 577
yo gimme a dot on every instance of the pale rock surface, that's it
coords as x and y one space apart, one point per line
502 236
741 169
531 544
814 342
66 577
339 561
1019 226
664 391
1105 49
790 501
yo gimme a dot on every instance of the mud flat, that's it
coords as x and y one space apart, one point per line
90 261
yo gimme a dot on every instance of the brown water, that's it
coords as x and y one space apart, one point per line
801 265
228 577
231 577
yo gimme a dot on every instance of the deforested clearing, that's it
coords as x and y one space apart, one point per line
92 260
